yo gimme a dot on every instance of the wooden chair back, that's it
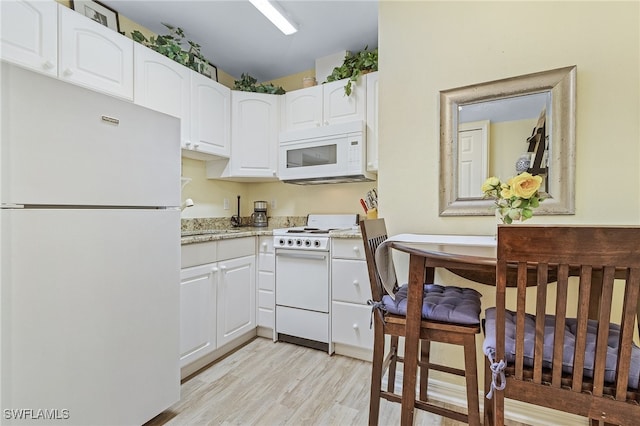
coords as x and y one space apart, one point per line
597 260
374 233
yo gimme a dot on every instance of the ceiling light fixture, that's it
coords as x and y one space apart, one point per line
275 15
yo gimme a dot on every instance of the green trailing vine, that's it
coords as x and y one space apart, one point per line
354 66
171 46
248 84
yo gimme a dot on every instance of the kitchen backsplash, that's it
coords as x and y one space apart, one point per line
205 223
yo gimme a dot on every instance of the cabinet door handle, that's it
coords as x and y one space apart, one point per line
68 72
326 122
47 65
264 244
356 248
195 146
356 283
355 326
223 268
214 269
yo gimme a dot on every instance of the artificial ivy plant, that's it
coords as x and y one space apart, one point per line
248 84
354 66
170 45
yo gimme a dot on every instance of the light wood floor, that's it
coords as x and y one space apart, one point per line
266 383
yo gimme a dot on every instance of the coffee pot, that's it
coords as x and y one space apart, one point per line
259 215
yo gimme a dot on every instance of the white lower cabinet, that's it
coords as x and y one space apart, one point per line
350 314
197 312
266 286
217 300
236 298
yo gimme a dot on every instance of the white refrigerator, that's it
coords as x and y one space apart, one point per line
90 249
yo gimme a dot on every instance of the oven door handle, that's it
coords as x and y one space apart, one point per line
314 256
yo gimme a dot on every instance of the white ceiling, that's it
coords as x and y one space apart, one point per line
236 38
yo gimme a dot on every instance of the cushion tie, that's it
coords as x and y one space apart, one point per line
376 307
498 380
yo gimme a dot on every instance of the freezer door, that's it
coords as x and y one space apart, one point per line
67 145
90 313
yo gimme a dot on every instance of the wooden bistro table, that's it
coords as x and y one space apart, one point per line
471 257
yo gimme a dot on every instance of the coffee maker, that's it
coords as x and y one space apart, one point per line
259 215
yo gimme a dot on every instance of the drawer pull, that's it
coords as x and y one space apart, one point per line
355 326
356 283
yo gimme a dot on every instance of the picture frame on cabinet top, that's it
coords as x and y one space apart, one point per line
98 12
208 69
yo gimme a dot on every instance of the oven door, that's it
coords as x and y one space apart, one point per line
302 279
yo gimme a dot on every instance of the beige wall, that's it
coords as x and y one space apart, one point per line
428 46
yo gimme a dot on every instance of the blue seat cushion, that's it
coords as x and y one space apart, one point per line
569 344
447 304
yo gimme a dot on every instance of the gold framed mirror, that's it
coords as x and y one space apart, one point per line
553 96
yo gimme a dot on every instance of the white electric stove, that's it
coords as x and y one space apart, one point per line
303 276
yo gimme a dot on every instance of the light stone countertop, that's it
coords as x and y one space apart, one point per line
191 236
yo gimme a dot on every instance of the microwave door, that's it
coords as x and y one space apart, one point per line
311 159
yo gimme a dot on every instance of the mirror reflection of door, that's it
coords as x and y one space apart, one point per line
473 149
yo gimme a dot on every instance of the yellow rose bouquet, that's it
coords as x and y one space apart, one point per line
515 199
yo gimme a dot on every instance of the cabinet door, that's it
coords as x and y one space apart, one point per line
339 108
210 119
94 56
372 121
163 85
254 135
197 312
303 108
350 325
236 298
29 34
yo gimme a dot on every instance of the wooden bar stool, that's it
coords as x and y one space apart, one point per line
388 319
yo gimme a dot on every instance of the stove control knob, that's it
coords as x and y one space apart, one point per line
307 243
316 243
281 241
299 242
289 242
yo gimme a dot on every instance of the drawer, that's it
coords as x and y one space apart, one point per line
266 261
266 281
350 281
198 254
347 248
300 323
265 245
236 247
350 325
266 299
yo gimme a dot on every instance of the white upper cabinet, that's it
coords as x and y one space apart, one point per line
323 105
29 34
303 108
372 121
210 119
254 139
93 55
163 85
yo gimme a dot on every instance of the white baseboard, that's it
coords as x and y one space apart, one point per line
514 410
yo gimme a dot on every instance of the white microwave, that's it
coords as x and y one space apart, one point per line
330 154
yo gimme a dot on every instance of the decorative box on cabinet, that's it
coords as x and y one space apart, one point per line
93 55
266 287
29 34
254 139
350 314
324 105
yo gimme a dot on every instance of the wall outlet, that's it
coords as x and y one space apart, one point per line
273 204
226 204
